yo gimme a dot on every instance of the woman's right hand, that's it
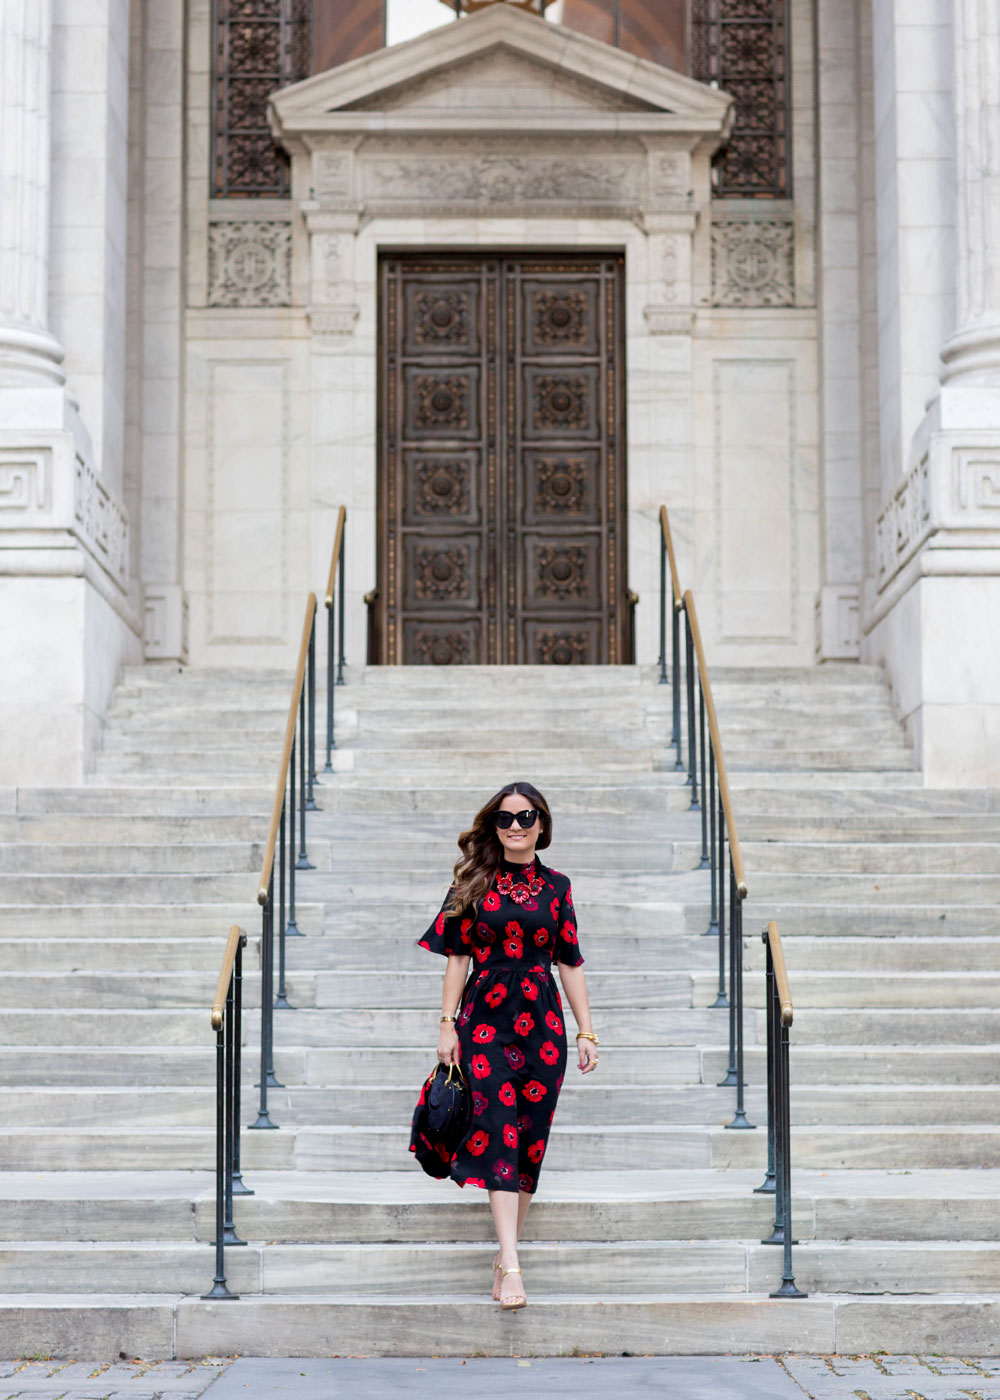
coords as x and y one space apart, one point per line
447 1049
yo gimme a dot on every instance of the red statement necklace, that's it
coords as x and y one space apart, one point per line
524 890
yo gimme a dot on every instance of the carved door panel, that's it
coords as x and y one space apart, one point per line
501 522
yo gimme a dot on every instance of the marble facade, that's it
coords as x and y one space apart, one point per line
187 385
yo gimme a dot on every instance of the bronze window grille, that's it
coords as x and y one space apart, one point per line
742 47
258 46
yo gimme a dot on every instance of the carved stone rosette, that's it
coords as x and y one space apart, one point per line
250 263
753 263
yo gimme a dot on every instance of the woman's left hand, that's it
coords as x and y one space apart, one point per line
587 1051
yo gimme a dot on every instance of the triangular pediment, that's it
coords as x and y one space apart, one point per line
504 66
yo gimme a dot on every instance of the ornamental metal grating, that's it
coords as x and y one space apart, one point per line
742 47
258 46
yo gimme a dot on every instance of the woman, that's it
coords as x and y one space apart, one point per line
514 917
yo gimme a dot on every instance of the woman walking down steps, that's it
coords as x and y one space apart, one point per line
513 918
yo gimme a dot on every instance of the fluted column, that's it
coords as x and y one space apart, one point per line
972 354
28 351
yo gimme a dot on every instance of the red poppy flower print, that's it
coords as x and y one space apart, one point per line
439 923
549 1053
491 901
503 1170
480 1067
464 1015
475 1181
467 938
478 1142
525 1022
541 937
559 1083
524 1122
480 1103
506 1093
525 1182
465 925
443 1152
533 1091
554 908
481 954
553 1022
569 899
483 1034
540 972
529 989
568 932
495 995
509 1135
537 1151
486 934
513 929
422 943
513 947
514 1057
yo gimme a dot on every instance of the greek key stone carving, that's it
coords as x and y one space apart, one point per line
250 263
24 481
977 482
753 263
100 521
904 522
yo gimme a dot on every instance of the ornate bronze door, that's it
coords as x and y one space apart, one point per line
501 480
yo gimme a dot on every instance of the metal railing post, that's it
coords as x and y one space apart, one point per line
303 861
340 609
281 1000
219 1289
240 1187
692 763
662 661
229 1229
704 798
331 742
783 1166
310 692
675 667
736 992
767 1186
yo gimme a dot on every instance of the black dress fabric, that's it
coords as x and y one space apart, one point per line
512 1038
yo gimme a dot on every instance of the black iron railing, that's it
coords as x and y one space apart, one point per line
779 1130
227 1022
334 645
700 753
285 853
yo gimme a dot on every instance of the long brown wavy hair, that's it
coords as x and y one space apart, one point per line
482 851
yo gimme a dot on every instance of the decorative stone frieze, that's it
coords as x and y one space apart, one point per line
100 521
753 261
24 481
250 263
904 523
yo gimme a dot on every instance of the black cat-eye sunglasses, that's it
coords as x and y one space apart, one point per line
525 819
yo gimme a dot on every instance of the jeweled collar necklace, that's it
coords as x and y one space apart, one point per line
521 891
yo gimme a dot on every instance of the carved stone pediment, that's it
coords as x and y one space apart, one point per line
500 70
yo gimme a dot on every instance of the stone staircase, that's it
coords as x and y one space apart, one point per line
114 902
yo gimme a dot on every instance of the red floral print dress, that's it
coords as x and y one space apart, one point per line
512 1038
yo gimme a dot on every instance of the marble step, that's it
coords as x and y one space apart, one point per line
124 920
333 991
150 858
158 1325
234 893
158 802
839 827
99 829
581 1267
945 953
935 989
902 1026
974 857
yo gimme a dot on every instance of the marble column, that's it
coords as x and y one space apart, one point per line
972 355
29 353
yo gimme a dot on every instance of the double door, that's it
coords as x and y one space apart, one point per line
501 529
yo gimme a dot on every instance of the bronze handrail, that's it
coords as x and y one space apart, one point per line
720 762
338 544
780 973
267 865
669 542
225 973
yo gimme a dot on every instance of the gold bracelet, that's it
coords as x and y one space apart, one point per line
587 1035
447 1018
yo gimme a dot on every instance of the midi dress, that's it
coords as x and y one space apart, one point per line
511 1032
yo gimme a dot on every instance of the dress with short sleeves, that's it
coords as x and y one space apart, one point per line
512 1040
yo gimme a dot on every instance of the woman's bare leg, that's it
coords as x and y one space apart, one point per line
506 1207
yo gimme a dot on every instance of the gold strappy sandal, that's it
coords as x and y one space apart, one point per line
516 1300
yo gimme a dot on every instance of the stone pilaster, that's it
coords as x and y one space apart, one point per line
29 353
